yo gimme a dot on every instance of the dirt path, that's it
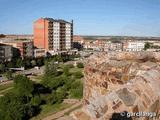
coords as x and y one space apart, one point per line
6 82
62 113
5 90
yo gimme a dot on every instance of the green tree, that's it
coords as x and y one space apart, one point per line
147 46
12 107
53 82
27 63
8 75
70 65
10 65
76 93
76 90
40 62
50 68
33 63
36 100
66 70
23 86
19 63
59 58
2 68
60 94
51 98
80 65
78 74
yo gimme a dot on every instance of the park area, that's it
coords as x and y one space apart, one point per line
42 97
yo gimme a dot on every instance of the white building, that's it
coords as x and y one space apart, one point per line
40 52
134 46
56 36
68 36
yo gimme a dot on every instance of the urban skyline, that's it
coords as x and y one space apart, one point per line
123 17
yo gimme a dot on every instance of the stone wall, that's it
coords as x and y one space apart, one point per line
121 81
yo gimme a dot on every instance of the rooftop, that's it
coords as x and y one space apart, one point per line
56 20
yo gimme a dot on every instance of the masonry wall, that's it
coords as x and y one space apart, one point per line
41 34
121 81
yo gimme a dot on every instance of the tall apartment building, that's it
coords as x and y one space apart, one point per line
53 35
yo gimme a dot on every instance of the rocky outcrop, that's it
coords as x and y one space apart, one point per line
121 81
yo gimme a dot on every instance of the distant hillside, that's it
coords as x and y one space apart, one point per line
119 38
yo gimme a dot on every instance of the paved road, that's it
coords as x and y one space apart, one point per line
32 71
62 113
25 72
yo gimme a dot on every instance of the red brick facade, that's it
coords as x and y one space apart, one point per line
41 33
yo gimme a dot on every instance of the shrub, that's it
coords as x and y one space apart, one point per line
36 100
78 74
66 70
51 98
76 93
70 65
80 65
76 90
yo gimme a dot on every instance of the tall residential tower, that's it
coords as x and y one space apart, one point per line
53 35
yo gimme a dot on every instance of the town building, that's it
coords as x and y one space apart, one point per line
24 47
133 46
113 46
39 52
5 53
78 42
53 35
79 39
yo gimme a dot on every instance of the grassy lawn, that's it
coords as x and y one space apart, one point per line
3 92
37 79
75 69
50 109
5 86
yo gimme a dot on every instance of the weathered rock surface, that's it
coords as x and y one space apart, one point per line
121 81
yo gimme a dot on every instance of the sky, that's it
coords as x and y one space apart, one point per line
91 17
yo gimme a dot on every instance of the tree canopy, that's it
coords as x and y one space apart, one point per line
23 86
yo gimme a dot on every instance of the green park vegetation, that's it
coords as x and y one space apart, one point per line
6 86
80 65
36 100
48 109
150 46
28 63
147 46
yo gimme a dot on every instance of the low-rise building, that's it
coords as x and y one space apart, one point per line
133 46
5 53
78 42
117 46
156 43
110 46
39 53
78 39
25 47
